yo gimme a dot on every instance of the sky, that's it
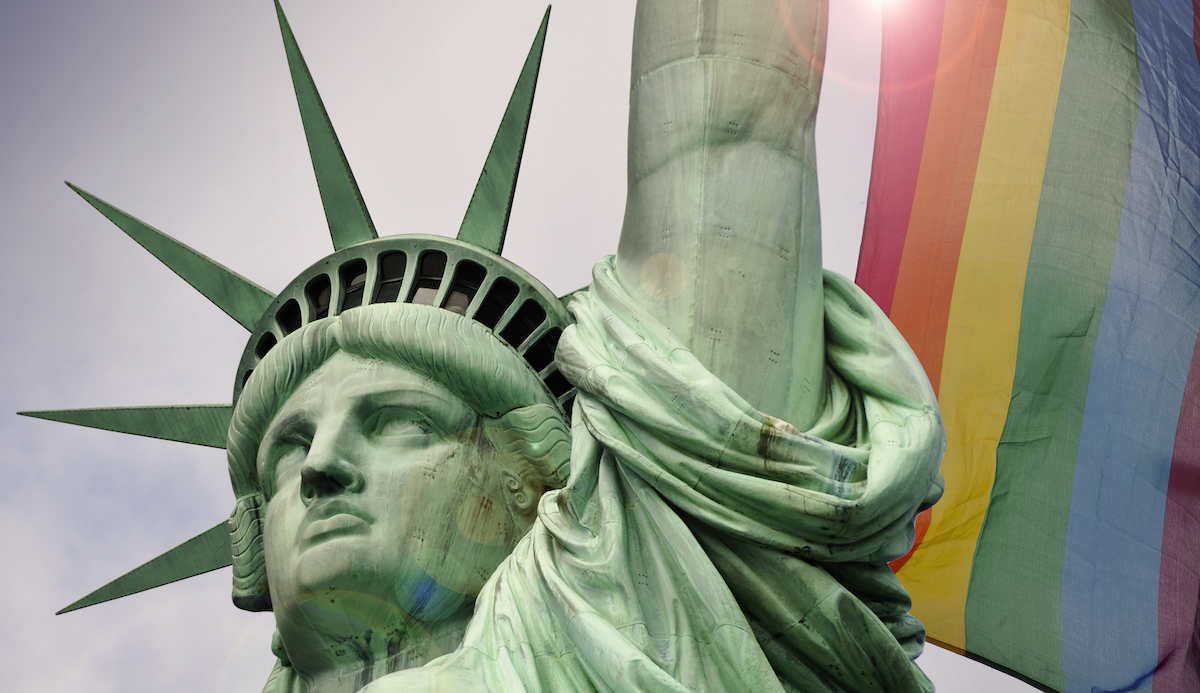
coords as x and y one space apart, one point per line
182 114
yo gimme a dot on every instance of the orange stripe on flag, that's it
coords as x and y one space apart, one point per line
958 113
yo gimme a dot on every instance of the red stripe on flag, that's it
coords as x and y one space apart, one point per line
911 36
922 526
1179 574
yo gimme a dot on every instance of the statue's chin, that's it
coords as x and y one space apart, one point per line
351 580
347 564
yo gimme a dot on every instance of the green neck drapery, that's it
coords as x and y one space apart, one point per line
701 545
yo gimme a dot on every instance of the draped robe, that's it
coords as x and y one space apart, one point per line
700 545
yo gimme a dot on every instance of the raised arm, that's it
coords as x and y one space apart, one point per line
721 240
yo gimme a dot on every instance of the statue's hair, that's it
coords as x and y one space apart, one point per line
517 409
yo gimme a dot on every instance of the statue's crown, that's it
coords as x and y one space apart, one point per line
465 275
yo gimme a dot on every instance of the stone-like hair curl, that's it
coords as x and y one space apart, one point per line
463 356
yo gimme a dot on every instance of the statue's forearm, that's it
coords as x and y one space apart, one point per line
721 240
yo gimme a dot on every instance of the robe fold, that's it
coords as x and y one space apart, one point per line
700 545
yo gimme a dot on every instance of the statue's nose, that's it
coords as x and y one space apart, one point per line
328 471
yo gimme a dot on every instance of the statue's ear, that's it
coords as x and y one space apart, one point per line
538 434
251 591
522 491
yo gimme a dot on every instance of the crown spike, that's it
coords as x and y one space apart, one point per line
198 424
345 211
200 554
240 298
486 220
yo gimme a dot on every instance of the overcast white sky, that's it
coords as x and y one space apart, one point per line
182 113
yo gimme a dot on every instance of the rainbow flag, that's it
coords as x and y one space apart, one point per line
1033 229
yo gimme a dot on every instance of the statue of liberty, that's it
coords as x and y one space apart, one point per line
688 476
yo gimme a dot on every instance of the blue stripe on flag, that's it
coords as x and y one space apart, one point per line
1147 334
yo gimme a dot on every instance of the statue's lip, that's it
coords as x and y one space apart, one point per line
334 518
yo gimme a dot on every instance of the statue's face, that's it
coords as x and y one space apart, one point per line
379 491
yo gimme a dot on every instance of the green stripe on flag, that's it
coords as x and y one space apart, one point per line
1012 614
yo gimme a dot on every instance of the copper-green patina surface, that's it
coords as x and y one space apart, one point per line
697 485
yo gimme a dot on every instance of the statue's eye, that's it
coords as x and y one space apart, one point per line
284 458
289 458
398 424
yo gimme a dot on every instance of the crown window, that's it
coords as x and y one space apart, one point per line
288 317
527 319
541 354
265 344
496 302
354 280
467 278
318 291
429 277
391 276
558 385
